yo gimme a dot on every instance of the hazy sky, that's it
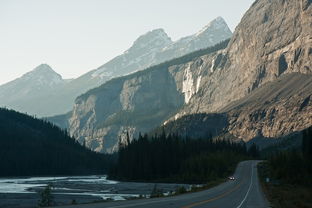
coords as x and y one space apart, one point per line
76 36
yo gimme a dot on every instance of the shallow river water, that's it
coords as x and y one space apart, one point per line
24 192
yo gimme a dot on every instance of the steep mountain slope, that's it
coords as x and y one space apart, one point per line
273 40
135 103
274 110
152 48
29 146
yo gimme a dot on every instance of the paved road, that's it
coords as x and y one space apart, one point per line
244 192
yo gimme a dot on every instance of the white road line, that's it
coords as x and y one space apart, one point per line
144 203
240 205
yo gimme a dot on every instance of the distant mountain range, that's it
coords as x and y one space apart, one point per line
256 86
43 92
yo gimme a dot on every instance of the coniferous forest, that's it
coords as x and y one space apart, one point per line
294 166
174 159
286 174
30 146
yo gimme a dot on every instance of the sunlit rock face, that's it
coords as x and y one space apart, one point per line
272 41
273 38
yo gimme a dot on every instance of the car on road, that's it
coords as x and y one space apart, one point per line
231 178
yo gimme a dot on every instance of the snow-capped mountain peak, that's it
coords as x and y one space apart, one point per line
214 32
157 38
216 24
43 75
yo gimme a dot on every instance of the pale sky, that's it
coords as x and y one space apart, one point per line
76 36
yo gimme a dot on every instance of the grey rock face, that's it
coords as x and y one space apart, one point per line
274 110
149 49
132 104
273 39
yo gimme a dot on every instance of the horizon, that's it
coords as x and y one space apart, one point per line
86 45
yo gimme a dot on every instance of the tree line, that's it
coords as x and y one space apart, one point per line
293 166
171 158
29 146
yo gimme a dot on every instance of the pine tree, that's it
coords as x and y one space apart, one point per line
46 198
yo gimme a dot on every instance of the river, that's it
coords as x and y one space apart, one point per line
24 192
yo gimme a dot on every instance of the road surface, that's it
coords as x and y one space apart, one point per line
243 192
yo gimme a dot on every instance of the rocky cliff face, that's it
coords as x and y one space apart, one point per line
274 110
274 39
135 103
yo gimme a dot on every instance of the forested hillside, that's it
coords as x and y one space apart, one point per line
288 172
29 146
176 159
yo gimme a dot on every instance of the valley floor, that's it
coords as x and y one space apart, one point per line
23 192
244 191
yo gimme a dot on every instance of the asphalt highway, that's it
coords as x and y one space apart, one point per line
243 192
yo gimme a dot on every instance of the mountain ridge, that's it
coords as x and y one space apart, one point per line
147 50
120 105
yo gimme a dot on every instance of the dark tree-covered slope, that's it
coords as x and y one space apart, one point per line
175 159
29 146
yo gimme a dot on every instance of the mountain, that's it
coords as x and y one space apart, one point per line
41 78
257 86
152 48
134 103
272 43
216 31
274 110
30 146
27 91
156 47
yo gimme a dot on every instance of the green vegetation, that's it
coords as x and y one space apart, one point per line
46 198
30 146
180 190
289 173
175 159
156 192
